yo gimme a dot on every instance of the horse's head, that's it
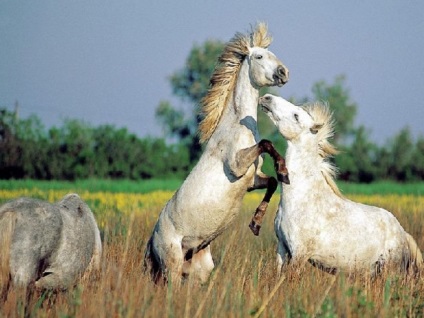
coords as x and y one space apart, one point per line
266 69
291 120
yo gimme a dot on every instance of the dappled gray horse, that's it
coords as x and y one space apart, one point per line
49 245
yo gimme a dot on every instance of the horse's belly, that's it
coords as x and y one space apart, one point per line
210 220
349 254
201 224
206 204
343 263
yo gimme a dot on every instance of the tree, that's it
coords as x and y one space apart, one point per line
10 146
22 146
339 100
70 151
417 160
401 150
357 161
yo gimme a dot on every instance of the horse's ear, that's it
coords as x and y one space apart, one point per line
314 129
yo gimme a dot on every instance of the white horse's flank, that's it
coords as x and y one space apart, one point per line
211 196
314 221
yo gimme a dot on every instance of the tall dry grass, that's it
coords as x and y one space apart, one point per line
244 282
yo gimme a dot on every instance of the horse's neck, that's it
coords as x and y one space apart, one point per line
241 111
243 104
245 98
304 166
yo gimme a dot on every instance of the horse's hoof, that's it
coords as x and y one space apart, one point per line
255 228
283 178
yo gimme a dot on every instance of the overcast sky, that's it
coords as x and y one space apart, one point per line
109 61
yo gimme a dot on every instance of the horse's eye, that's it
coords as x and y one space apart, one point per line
258 57
296 117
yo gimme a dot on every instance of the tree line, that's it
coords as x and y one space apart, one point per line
78 150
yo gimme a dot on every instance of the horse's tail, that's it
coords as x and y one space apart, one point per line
7 225
151 263
415 256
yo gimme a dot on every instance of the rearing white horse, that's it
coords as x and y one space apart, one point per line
211 196
314 221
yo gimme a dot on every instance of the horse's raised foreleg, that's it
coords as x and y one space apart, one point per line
261 180
246 157
279 162
270 183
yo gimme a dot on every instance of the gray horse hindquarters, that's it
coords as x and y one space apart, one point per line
51 245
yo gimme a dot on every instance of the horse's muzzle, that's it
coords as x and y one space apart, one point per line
281 75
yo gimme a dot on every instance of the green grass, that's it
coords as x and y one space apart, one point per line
382 187
94 185
146 186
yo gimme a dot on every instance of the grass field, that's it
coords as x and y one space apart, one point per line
145 186
244 281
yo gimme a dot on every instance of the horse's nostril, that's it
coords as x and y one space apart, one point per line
281 70
282 73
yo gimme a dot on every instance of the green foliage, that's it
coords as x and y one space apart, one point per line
361 160
339 100
417 160
79 151
357 161
401 154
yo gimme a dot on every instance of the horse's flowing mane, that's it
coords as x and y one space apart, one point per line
323 116
225 76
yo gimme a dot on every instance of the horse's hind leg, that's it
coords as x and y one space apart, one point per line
170 256
200 265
